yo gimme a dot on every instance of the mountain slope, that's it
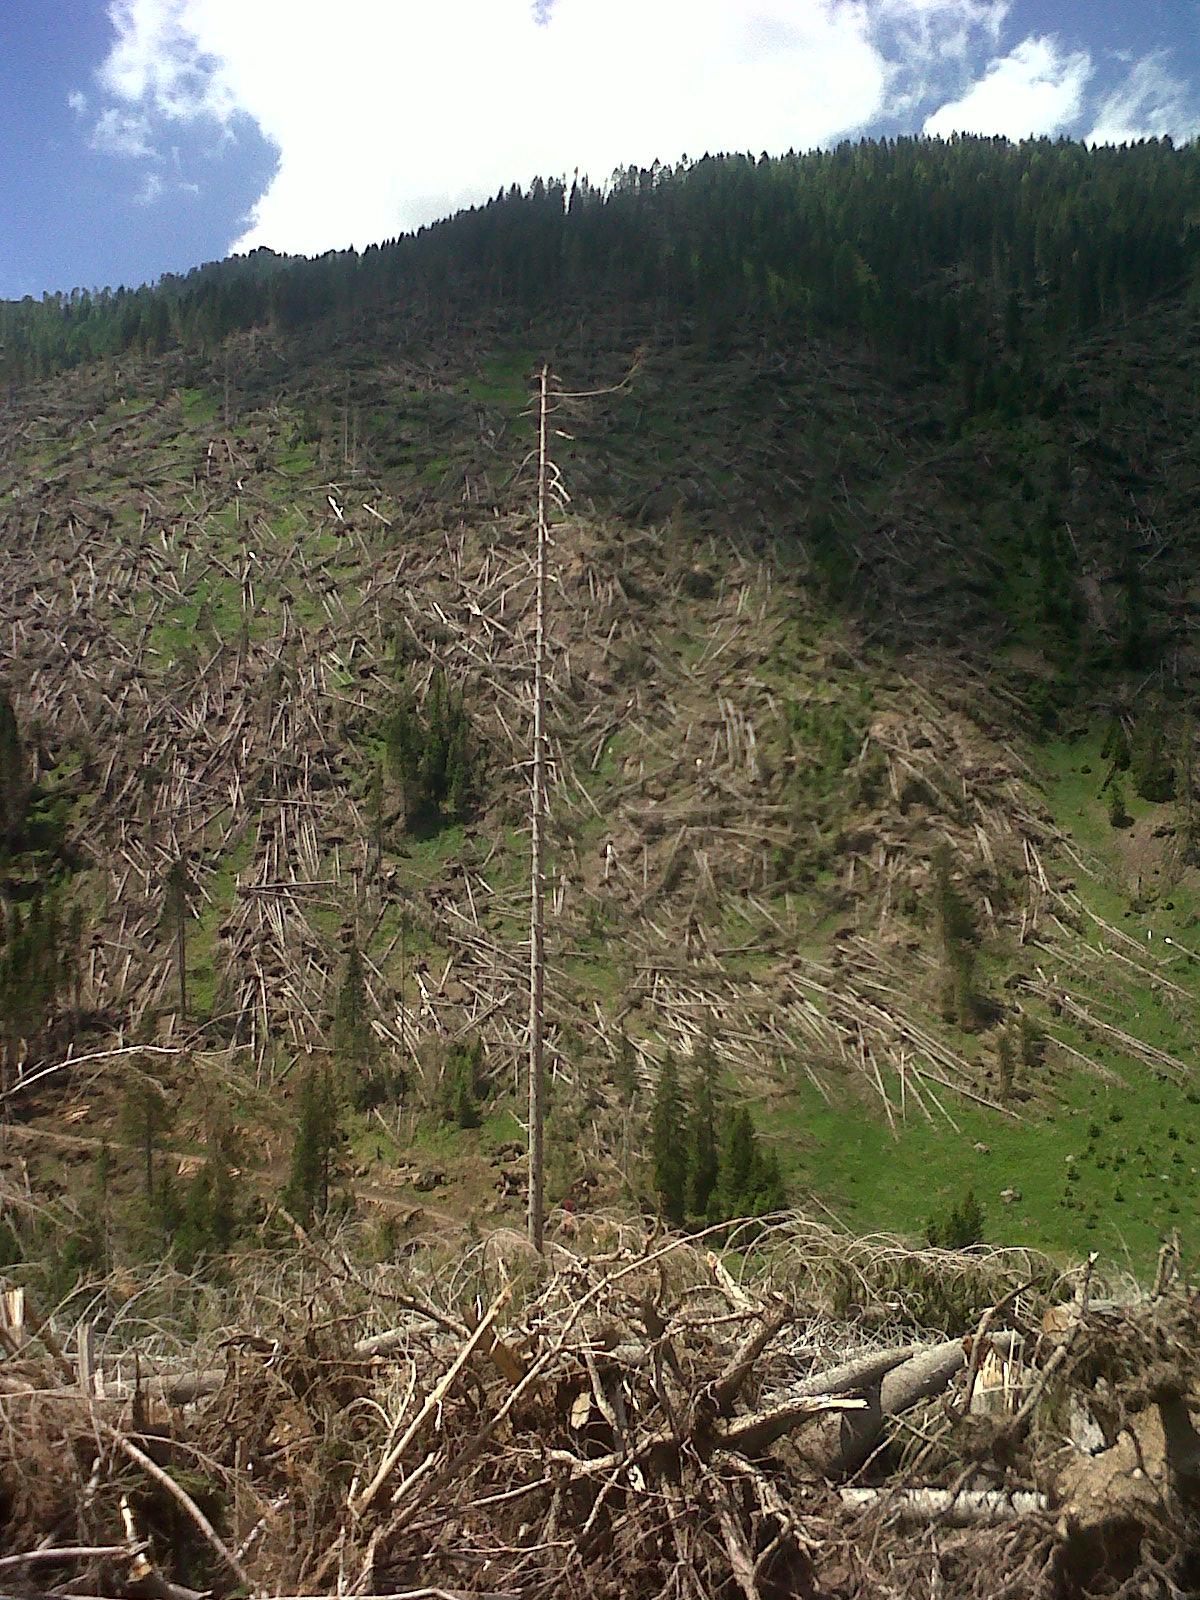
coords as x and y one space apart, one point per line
833 666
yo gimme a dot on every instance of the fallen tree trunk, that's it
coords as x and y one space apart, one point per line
964 1508
838 1447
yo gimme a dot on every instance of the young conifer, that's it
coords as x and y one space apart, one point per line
307 1192
703 1164
667 1146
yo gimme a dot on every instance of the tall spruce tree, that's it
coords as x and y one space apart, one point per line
354 1041
959 936
703 1162
751 1183
1185 783
432 755
668 1147
307 1191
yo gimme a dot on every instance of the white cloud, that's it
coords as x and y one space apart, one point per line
1037 88
424 108
927 42
122 133
77 102
152 189
158 61
389 113
1150 104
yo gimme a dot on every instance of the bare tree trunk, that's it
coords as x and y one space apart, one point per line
536 951
403 974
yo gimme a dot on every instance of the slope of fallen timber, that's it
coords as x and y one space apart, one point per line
813 1415
213 597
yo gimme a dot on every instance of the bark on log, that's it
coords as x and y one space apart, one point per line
968 1508
839 1446
861 1372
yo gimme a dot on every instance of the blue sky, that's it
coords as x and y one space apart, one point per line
145 136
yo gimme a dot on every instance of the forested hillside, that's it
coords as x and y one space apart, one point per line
873 802
974 255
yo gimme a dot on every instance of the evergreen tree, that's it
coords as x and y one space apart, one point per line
751 1183
205 1220
351 1029
1005 1058
668 1147
1118 811
307 1193
401 743
703 1164
962 1226
1116 745
1149 763
433 756
143 1114
625 1077
35 965
958 936
737 1161
1185 784
462 1083
74 962
376 798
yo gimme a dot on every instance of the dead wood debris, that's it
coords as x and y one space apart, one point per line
636 1416
211 638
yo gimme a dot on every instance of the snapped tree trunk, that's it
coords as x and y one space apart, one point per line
537 975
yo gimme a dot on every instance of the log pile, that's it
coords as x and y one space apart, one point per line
786 1411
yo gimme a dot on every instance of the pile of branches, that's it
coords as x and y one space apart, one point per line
788 1411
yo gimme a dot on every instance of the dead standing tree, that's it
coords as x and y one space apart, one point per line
549 485
537 954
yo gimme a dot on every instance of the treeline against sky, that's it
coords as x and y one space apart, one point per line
932 251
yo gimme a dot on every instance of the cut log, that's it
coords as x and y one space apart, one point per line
838 1447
